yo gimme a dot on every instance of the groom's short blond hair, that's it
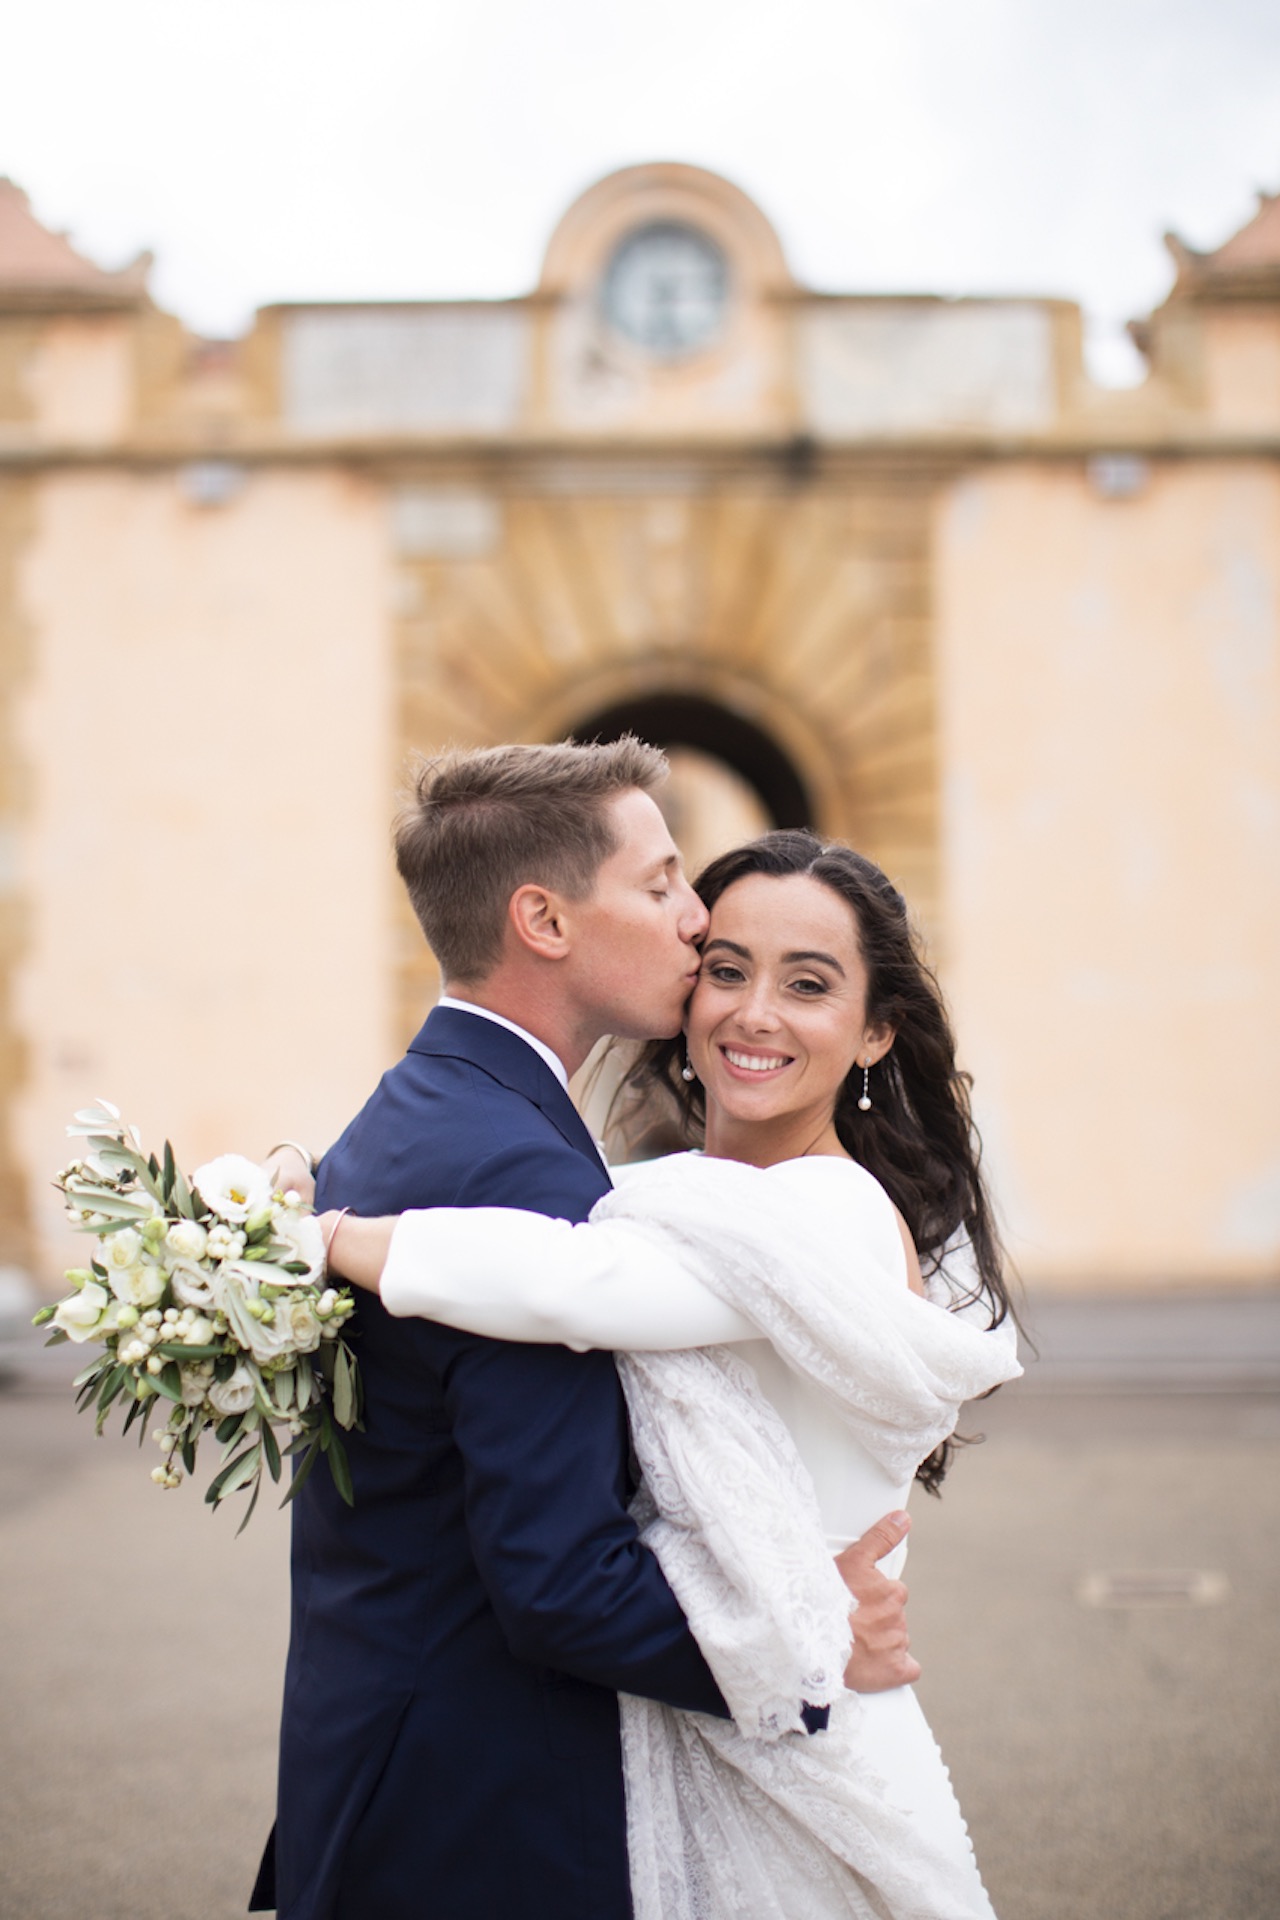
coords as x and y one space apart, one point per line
479 824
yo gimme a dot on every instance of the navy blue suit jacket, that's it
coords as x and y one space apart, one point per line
449 1748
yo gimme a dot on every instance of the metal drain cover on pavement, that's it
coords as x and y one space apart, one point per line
1153 1588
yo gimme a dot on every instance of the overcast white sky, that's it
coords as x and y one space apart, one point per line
313 149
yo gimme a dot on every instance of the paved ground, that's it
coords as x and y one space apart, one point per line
1116 1763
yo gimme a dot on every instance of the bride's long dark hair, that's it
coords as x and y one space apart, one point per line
918 1138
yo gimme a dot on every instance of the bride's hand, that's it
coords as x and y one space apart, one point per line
286 1169
881 1657
357 1249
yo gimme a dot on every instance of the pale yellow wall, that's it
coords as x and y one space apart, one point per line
1109 707
209 723
82 378
1241 357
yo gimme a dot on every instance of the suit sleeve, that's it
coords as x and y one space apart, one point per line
543 1438
523 1276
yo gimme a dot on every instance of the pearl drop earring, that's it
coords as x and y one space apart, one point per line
864 1105
686 1072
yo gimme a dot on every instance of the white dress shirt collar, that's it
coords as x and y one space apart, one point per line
540 1047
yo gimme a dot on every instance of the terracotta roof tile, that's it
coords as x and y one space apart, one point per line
35 261
1256 245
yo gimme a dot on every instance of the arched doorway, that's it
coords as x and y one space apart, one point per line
729 779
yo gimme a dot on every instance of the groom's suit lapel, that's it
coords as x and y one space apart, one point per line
509 1060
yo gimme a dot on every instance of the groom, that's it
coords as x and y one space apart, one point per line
450 1744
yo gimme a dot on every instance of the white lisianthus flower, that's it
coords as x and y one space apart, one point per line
233 1186
186 1240
301 1327
224 1243
139 1286
235 1395
266 1340
302 1234
80 1316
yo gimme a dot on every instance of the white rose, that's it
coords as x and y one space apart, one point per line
186 1240
197 1382
233 1186
81 1315
235 1395
302 1234
119 1250
139 1286
300 1323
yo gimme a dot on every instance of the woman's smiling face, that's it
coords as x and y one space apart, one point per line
779 1015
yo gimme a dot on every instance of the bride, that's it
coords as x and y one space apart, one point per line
799 1310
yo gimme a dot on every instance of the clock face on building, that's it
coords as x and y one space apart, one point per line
666 289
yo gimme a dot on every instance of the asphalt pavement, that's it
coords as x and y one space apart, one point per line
1095 1599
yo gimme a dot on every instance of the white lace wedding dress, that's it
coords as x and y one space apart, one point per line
761 1456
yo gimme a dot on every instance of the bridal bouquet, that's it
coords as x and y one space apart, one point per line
207 1297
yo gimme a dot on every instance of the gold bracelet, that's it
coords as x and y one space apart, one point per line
312 1162
333 1234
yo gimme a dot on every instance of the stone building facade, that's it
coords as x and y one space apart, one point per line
892 566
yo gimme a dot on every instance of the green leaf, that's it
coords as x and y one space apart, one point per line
257 1489
299 1480
340 1468
270 1450
282 1389
146 1170
94 1370
118 1222
57 1338
357 1383
111 1385
121 1211
181 1192
170 1171
228 1428
168 1382
344 1400
235 1474
188 1453
111 1391
175 1350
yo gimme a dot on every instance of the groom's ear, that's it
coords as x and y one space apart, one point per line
536 918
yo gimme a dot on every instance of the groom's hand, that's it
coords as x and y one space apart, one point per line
881 1658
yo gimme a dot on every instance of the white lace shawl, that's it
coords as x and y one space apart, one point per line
755 1818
